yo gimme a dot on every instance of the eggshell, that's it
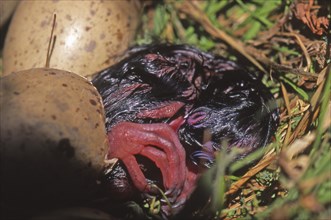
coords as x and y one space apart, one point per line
90 35
53 139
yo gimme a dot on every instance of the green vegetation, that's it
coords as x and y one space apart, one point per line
286 41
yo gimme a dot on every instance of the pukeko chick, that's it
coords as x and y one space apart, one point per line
160 100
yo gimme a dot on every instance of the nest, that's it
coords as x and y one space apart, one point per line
287 41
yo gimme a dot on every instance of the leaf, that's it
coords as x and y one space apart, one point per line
161 18
252 31
260 18
206 44
325 99
300 91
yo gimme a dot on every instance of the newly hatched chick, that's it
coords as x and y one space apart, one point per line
159 100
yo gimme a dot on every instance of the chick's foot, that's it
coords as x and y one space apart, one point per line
159 143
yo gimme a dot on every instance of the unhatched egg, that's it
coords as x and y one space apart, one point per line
53 138
90 35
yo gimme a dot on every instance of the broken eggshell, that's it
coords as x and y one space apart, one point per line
53 138
90 35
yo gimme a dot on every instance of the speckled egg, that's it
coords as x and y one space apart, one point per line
90 35
53 139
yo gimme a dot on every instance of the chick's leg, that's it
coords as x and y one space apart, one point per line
159 143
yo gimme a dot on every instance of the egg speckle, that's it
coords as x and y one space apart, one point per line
90 46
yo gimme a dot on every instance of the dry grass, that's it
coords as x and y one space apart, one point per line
287 42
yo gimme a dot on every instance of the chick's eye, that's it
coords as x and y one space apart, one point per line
184 65
196 119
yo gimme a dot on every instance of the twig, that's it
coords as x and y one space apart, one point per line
266 161
302 46
288 108
191 9
51 44
280 68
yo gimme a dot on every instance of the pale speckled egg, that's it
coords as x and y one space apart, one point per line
90 35
53 138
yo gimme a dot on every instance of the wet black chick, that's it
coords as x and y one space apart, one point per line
159 102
